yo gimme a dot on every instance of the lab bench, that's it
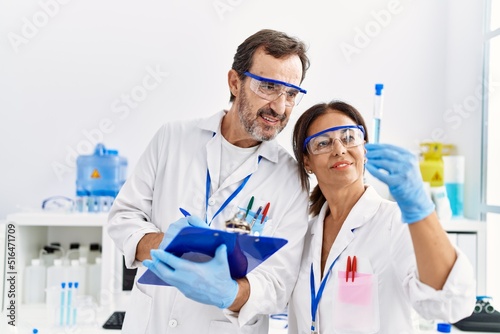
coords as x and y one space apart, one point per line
37 316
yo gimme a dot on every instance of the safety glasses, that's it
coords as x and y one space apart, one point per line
271 90
323 141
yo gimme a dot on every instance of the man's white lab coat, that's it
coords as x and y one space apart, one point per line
172 174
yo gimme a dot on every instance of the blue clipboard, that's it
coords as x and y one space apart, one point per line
245 252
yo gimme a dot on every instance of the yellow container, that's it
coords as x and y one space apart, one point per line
432 166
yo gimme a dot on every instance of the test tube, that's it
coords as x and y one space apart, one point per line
69 304
377 112
74 305
61 309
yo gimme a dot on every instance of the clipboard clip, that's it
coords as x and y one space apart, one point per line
238 224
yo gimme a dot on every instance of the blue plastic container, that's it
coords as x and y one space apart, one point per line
454 176
455 192
99 179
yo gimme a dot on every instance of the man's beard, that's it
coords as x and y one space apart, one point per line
250 123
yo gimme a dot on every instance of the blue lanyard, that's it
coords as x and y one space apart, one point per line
316 298
229 199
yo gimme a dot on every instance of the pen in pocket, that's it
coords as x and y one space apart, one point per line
256 216
264 213
249 207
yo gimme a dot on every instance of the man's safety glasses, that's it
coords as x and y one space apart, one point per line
323 141
271 90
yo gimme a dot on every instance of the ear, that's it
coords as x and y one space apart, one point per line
234 82
307 165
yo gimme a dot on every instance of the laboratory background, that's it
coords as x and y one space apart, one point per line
74 74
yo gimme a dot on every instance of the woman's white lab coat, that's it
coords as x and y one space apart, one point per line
381 242
172 174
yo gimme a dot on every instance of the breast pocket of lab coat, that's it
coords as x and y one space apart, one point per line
356 306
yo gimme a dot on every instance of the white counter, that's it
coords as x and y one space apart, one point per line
39 317
91 320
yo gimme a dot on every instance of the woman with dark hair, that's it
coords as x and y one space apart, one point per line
367 261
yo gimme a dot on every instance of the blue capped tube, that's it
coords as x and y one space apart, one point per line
377 112
69 303
62 306
73 306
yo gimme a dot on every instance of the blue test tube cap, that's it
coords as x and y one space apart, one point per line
378 88
35 330
444 327
483 297
76 285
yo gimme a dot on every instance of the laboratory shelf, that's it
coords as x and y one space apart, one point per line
470 236
58 219
464 225
34 230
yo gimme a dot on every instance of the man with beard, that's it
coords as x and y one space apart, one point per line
212 168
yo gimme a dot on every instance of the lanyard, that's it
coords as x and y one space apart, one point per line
229 199
315 298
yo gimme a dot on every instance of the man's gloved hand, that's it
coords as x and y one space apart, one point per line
178 225
399 169
205 282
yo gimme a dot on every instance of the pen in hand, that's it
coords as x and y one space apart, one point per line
193 221
184 212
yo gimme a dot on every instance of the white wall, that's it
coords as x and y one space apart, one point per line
64 81
463 94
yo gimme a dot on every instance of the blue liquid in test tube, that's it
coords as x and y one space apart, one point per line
69 303
376 130
61 308
377 112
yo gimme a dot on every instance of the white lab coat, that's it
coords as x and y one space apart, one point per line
383 246
171 174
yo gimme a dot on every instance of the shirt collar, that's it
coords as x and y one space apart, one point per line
365 208
362 212
267 149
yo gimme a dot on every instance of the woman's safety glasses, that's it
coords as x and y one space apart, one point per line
322 142
271 90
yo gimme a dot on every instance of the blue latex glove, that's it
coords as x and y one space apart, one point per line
399 169
178 225
205 282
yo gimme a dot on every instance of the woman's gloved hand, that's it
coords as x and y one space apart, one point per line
177 226
399 169
205 282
